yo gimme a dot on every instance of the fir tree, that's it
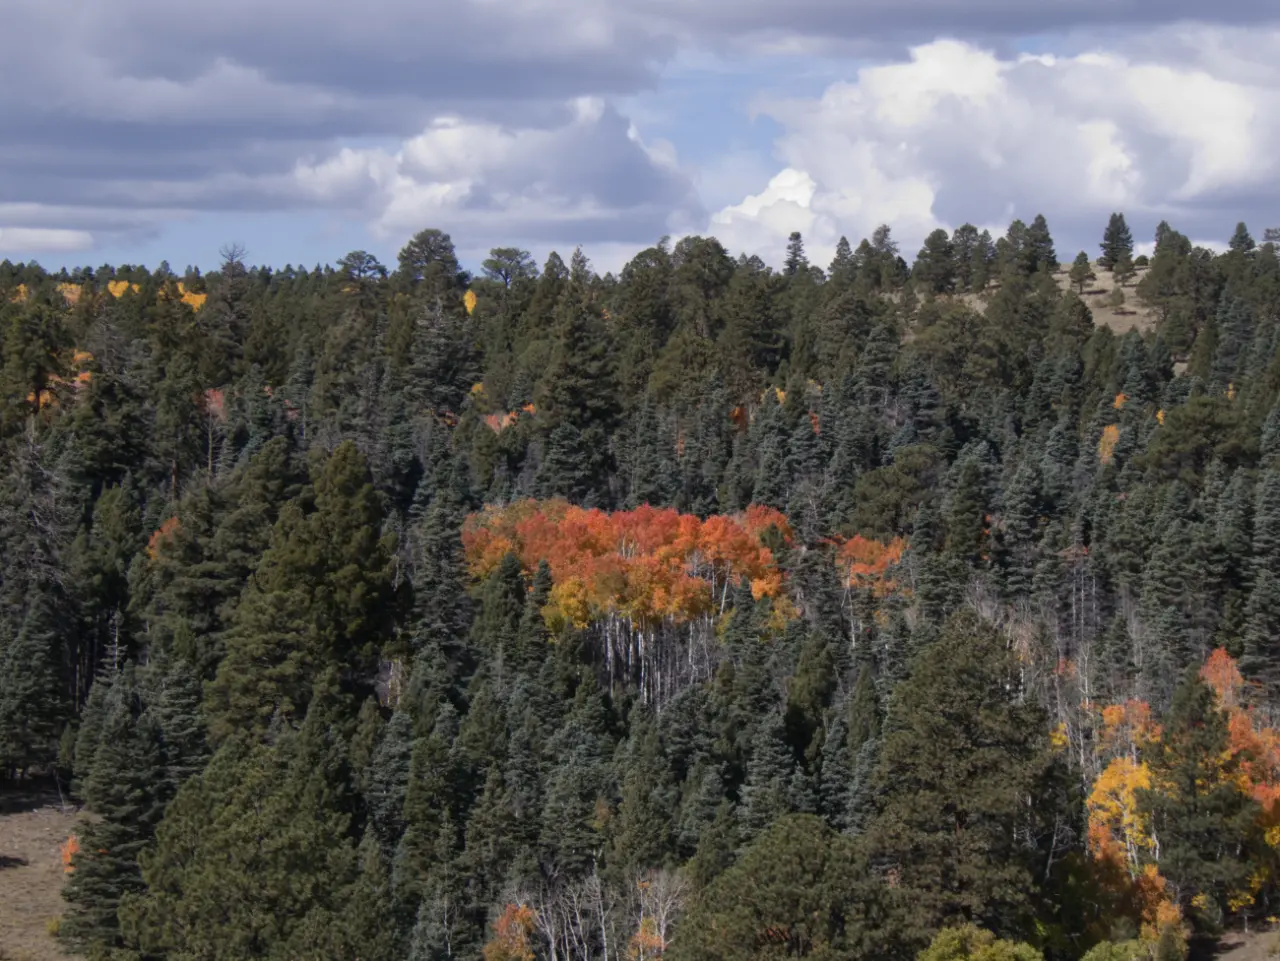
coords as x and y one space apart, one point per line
963 756
321 597
124 792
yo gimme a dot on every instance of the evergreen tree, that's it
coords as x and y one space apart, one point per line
1117 241
1082 272
124 792
963 760
31 693
321 597
255 857
799 891
768 791
1205 823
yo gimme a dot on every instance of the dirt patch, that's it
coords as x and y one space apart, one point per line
32 830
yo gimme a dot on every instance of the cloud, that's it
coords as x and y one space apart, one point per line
590 180
958 133
133 116
22 240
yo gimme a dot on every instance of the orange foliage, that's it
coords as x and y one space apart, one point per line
1117 831
500 422
1221 674
512 935
70 848
647 943
165 531
1107 443
646 566
1119 402
865 563
46 398
1126 728
1118 836
1253 749
215 404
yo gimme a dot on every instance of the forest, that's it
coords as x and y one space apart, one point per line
879 611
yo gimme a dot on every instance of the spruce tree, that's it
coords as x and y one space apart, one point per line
255 857
768 792
31 692
321 597
124 791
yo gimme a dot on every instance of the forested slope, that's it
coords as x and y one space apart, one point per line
707 610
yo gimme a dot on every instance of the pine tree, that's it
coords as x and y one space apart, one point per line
1241 242
798 891
1082 272
643 824
963 759
174 698
1039 247
1117 240
389 779
796 260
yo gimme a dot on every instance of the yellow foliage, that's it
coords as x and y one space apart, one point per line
70 292
1117 830
191 298
117 288
477 388
1231 391
19 294
1160 416
1058 737
1107 443
469 300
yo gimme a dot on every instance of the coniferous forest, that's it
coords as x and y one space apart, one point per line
707 612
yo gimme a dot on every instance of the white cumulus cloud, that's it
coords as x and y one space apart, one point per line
958 133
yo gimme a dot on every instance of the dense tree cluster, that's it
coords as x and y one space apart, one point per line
705 610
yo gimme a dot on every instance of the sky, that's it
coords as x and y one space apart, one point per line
304 130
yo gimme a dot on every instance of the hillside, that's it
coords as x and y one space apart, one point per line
32 831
